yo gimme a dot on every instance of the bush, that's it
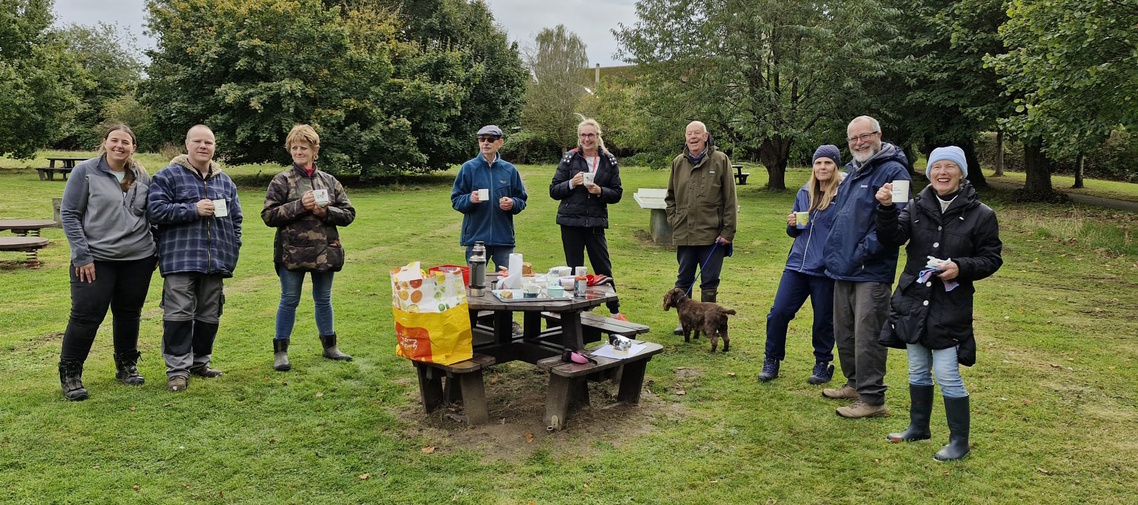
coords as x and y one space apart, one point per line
527 147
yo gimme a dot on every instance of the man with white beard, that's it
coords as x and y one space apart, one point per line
863 270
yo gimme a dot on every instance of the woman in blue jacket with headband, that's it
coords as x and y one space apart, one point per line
805 274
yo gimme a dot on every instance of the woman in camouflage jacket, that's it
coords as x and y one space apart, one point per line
306 205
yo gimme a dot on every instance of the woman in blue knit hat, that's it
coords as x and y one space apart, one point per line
804 275
954 240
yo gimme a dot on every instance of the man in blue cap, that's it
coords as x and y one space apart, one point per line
489 217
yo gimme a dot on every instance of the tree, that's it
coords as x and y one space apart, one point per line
1073 66
456 41
251 69
761 74
111 71
36 75
553 97
942 94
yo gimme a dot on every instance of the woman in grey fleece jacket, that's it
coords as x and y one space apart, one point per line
112 257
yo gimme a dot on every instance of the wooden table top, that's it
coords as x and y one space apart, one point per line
25 224
18 243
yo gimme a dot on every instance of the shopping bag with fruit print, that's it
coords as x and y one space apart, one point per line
432 319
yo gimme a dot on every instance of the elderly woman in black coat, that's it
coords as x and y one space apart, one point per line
954 240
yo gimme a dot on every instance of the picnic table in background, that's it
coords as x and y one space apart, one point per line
66 165
26 227
740 175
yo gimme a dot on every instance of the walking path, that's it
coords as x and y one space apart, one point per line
1109 203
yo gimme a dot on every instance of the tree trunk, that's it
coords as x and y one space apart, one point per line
975 174
910 160
774 154
1038 169
1080 162
999 154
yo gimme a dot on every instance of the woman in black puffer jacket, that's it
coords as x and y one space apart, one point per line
954 240
586 182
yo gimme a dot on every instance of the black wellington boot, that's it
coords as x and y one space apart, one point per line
280 355
708 295
330 349
957 412
71 380
920 410
204 335
126 369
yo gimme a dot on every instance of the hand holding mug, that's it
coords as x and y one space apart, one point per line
791 219
308 201
506 203
578 179
885 194
204 207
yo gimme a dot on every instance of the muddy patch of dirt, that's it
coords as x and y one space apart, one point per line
515 395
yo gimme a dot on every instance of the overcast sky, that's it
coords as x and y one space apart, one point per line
591 20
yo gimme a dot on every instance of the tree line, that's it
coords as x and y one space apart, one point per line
398 85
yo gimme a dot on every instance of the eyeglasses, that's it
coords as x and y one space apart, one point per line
488 139
863 137
587 135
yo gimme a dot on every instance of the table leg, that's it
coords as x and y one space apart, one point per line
557 401
571 334
474 397
632 381
430 387
531 324
503 326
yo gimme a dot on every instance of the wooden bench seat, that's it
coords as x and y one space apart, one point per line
463 383
567 381
594 325
30 246
48 173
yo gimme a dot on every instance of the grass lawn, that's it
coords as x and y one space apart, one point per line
1054 392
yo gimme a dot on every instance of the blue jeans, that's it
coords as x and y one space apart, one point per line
792 292
925 362
291 282
499 254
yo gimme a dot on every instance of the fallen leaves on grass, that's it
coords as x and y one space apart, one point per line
320 394
529 437
135 487
364 476
428 450
680 392
1042 470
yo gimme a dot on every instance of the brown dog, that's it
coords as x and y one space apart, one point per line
695 316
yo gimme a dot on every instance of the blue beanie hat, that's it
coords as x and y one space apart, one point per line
949 153
828 151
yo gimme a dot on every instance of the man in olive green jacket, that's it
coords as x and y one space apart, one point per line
702 210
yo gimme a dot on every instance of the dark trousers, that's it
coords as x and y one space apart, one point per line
860 310
120 286
792 292
576 241
691 257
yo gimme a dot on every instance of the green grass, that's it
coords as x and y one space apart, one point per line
1054 396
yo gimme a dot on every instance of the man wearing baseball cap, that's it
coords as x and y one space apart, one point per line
489 217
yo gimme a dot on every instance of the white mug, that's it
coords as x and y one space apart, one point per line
219 208
587 177
321 196
900 191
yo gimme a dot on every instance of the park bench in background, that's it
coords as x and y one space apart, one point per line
658 227
66 165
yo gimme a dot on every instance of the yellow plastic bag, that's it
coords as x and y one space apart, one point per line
432 318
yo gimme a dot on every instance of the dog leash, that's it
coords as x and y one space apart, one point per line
705 262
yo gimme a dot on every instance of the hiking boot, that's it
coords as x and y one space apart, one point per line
846 392
177 383
770 370
205 371
331 351
678 331
126 369
822 373
860 409
71 380
280 355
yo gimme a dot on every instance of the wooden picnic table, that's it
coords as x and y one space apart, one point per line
29 245
740 175
495 342
66 165
26 227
